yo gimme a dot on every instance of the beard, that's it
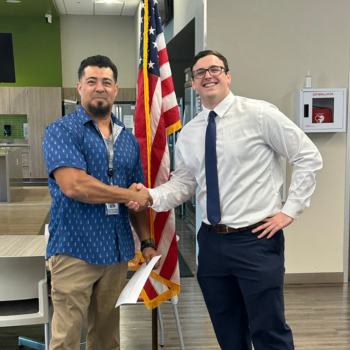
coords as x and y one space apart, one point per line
99 110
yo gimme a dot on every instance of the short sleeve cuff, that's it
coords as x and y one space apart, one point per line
53 167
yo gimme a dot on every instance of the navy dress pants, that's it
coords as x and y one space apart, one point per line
241 278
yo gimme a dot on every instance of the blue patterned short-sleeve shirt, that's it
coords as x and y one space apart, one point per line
83 230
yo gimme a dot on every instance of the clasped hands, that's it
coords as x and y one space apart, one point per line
141 198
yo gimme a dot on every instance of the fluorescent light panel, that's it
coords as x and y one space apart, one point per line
108 2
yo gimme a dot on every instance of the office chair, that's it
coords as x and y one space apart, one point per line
173 301
25 280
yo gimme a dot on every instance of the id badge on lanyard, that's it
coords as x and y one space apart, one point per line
111 208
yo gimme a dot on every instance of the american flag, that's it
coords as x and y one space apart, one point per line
157 116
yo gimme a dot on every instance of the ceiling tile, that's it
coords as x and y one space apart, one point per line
79 7
108 9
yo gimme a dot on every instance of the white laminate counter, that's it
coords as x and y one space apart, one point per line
23 245
5 145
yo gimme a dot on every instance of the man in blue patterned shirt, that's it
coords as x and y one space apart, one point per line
93 163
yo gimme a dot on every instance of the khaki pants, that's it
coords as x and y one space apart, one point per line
80 288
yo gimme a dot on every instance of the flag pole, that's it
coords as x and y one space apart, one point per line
148 132
154 329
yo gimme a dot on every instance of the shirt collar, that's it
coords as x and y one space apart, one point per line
86 117
222 107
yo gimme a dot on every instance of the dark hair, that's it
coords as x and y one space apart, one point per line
100 62
202 54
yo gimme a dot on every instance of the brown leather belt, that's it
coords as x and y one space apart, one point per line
227 229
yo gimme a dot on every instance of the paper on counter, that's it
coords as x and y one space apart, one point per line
132 290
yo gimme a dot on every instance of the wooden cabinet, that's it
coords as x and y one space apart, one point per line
13 100
42 105
18 100
25 162
128 95
70 94
44 108
11 178
4 100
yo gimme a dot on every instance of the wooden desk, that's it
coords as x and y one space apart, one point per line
23 245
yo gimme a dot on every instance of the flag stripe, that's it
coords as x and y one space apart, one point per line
168 87
165 71
161 42
164 163
156 109
169 102
170 260
151 292
163 58
170 116
157 156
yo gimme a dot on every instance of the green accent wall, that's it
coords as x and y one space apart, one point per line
36 48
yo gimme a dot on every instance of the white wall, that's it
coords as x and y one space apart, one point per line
112 36
270 45
137 24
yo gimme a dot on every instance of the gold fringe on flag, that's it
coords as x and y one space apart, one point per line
172 128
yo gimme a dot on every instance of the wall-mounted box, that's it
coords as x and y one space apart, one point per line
320 110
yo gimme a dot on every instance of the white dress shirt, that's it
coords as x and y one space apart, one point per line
251 137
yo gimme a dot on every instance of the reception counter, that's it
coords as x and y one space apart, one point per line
11 176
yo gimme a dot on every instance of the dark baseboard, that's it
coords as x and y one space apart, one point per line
313 278
35 182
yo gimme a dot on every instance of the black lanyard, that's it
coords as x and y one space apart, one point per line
110 171
109 144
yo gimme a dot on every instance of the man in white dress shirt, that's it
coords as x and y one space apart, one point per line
241 252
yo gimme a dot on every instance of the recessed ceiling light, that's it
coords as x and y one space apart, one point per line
13 1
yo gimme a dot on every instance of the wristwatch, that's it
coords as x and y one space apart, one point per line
148 243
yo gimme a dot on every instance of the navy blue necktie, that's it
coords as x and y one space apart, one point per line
211 172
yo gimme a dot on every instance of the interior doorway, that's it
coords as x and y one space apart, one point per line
181 50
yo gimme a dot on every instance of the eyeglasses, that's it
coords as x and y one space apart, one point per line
214 71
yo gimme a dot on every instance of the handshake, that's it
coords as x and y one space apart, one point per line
140 197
